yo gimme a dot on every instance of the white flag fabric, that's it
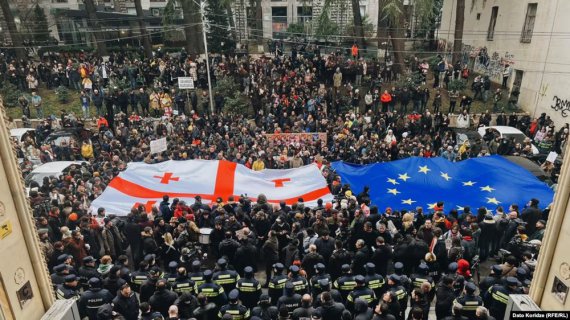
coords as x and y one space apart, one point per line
146 184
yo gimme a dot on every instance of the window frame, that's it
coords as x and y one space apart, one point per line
492 23
529 21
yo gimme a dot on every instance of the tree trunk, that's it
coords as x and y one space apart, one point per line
142 28
93 23
382 29
398 46
192 29
259 21
13 30
458 35
231 20
358 27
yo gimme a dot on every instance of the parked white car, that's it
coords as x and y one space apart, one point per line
48 169
508 132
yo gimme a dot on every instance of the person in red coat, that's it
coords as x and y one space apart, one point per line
386 98
76 247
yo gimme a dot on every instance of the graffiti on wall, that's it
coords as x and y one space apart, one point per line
493 64
561 105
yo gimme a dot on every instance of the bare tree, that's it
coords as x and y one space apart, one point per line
192 26
13 30
142 28
93 23
458 34
358 27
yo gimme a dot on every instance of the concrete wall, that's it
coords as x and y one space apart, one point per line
544 62
554 259
23 272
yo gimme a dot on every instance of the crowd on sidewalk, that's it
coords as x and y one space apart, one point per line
351 259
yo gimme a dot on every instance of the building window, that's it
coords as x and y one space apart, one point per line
59 1
528 26
157 0
304 14
492 23
478 16
279 22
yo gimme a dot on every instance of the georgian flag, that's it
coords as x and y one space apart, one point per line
146 184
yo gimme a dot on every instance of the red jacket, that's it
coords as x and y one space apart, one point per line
386 98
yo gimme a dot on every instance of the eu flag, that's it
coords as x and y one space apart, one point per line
422 182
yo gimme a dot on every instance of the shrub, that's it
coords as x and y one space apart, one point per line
10 94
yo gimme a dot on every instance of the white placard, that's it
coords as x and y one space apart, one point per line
552 157
158 145
185 83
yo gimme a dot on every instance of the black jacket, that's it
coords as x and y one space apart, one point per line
291 302
331 311
309 262
128 307
445 297
361 258
381 258
206 312
91 300
265 312
325 247
147 290
161 300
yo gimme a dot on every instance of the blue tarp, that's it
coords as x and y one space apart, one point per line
406 184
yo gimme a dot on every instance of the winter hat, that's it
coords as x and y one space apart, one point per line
463 268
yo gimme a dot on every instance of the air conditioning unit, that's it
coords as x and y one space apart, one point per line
520 302
63 310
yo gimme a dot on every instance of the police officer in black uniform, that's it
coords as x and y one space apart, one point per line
299 282
172 273
213 291
69 289
93 298
492 279
345 283
87 271
249 288
182 284
277 283
264 309
469 301
291 300
60 272
139 276
404 279
224 277
361 291
196 276
234 308
421 276
399 292
374 281
320 271
498 296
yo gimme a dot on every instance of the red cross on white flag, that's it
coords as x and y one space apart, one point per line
144 183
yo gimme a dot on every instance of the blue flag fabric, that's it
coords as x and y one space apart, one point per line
422 182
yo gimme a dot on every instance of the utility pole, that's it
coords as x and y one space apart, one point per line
205 25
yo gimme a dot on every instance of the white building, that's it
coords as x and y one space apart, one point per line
531 36
277 15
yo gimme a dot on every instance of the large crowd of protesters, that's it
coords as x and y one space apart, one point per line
348 259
